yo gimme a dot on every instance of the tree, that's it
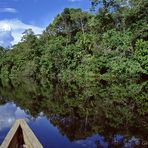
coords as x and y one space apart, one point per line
68 23
30 39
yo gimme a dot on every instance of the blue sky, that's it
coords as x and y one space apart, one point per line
18 15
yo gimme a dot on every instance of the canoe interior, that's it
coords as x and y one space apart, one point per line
18 139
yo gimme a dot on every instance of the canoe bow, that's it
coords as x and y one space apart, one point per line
20 135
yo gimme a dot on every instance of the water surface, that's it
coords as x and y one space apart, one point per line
67 117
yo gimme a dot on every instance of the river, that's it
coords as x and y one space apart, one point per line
73 117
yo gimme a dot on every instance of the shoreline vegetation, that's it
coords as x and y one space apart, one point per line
106 48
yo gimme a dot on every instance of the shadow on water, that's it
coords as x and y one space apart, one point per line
73 116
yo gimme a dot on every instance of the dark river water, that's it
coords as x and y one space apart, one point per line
74 117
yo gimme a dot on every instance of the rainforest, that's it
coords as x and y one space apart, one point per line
88 68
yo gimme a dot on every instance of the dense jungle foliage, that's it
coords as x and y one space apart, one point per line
107 46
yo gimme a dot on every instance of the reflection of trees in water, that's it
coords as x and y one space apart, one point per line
76 128
3 100
80 112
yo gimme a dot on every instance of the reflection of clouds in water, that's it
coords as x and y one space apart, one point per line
95 140
132 142
9 113
99 141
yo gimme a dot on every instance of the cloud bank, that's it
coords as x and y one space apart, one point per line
11 31
6 38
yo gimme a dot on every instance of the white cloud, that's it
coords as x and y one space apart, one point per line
11 31
7 116
9 113
6 38
10 10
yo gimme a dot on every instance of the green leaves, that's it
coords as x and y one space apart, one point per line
141 54
117 40
125 67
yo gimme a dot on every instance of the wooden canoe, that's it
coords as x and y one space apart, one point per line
21 136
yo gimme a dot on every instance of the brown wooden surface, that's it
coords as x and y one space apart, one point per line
21 134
